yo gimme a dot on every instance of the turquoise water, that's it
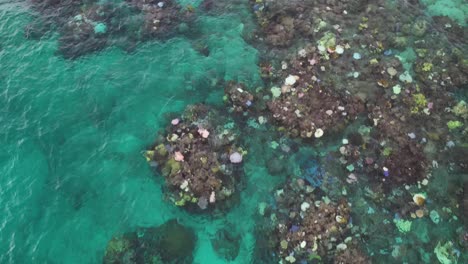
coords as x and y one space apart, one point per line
73 132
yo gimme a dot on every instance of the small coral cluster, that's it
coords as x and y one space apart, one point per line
86 31
240 99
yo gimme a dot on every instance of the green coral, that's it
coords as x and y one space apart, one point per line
275 91
364 130
161 150
314 256
387 151
396 89
461 110
363 25
149 155
180 202
229 125
328 40
454 124
404 226
427 66
445 253
421 52
185 198
117 248
320 25
100 28
419 103
171 167
253 123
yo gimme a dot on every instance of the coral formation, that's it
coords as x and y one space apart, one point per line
199 158
307 227
304 106
89 26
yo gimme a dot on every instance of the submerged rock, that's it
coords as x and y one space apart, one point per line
89 26
227 243
170 242
121 249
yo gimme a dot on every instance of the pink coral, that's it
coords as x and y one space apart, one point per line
203 132
178 156
175 121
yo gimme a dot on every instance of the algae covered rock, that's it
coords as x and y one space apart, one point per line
170 242
226 243
121 248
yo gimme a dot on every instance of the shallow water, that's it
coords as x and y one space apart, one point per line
73 132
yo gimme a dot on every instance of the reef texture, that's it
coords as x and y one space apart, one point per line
199 158
89 26
309 228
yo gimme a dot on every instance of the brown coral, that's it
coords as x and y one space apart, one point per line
307 222
239 97
194 158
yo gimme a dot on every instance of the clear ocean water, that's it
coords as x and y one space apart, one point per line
73 132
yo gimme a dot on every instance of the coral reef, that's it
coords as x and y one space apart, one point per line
226 243
352 255
307 227
89 26
199 158
121 249
306 107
